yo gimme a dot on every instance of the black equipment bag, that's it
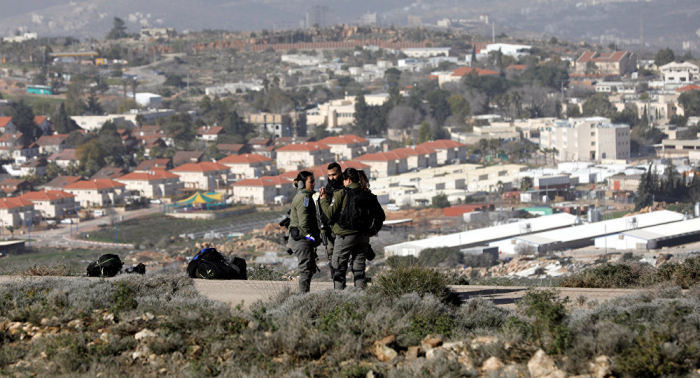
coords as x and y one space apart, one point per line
105 266
362 212
211 264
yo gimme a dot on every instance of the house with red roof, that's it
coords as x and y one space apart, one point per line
457 75
59 182
15 186
419 157
206 175
155 164
9 143
448 151
97 192
232 149
688 88
618 63
298 156
249 166
210 133
52 204
151 184
16 212
6 125
265 190
44 124
51 144
64 158
346 147
385 164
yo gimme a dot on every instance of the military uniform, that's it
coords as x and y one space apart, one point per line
303 217
330 237
348 243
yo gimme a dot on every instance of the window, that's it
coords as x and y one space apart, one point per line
592 143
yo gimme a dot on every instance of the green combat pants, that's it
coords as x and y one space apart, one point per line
303 250
347 247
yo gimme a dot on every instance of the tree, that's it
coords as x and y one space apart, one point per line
690 101
598 105
440 201
118 29
93 105
23 118
62 123
12 231
439 107
424 132
126 106
664 56
526 183
74 101
591 68
403 117
459 107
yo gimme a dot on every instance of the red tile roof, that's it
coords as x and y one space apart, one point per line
464 71
343 139
4 121
323 169
230 147
595 56
381 156
243 159
442 144
158 174
210 130
38 120
303 147
13 203
688 88
62 181
149 165
264 181
204 166
46 195
94 184
67 154
519 67
51 140
415 151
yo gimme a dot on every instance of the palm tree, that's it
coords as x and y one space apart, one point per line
554 152
12 231
545 151
134 84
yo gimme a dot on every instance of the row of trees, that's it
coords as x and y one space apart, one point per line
667 188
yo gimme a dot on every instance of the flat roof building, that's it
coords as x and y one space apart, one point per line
482 236
665 235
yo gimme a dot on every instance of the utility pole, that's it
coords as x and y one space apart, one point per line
493 32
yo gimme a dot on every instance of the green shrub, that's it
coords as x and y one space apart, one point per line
422 326
398 281
611 276
547 328
262 272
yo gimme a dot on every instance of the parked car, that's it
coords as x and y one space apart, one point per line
66 221
393 207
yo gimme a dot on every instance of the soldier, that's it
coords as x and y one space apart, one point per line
335 182
304 233
352 231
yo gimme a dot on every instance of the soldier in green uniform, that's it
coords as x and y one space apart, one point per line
304 233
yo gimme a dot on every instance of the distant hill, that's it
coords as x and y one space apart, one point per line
665 21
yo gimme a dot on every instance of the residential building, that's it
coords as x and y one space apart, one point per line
44 124
152 165
148 100
279 125
617 63
419 157
336 114
16 212
6 125
64 158
587 139
448 151
97 192
51 144
249 166
52 204
185 157
385 164
679 73
457 75
205 176
233 149
109 173
61 181
298 156
34 167
210 133
516 51
426 52
151 184
346 147
10 142
15 186
265 190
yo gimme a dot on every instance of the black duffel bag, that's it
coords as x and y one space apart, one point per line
212 265
106 266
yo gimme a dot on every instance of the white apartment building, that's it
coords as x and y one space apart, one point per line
96 192
339 113
516 51
346 147
16 212
52 203
263 190
679 73
249 166
206 175
427 52
588 139
152 184
297 156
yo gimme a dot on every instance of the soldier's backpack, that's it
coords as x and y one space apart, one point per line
362 212
212 265
105 266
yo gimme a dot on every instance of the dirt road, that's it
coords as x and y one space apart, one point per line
247 292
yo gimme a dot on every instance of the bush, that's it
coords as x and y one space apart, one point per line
402 280
262 272
611 276
547 328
